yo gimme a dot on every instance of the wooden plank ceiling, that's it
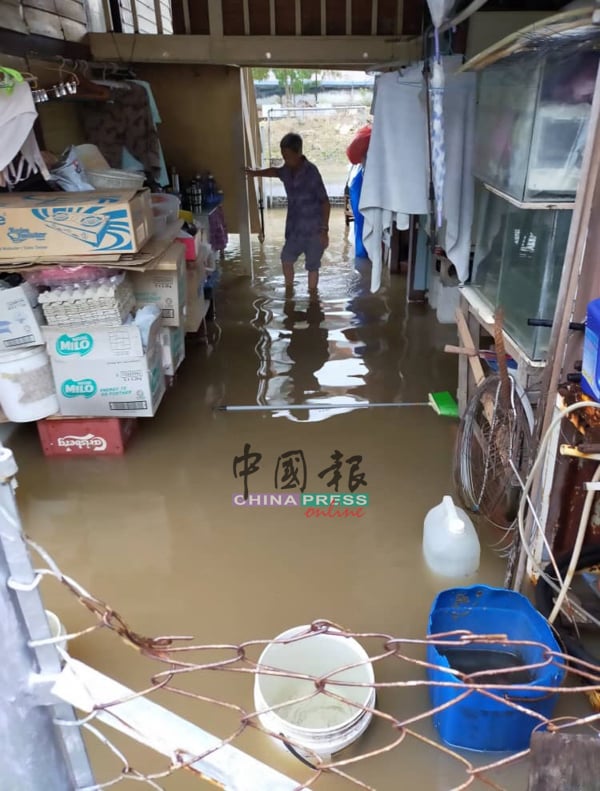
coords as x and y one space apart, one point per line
302 17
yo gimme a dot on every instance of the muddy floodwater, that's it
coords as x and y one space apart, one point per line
159 533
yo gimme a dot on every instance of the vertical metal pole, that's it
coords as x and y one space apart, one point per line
348 17
246 10
243 204
36 753
298 15
323 17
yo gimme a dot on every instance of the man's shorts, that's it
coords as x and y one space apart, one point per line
311 247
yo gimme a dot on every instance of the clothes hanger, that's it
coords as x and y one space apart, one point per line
9 78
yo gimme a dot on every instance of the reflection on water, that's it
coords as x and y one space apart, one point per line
345 346
155 533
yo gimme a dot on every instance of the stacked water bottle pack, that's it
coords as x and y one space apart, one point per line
105 302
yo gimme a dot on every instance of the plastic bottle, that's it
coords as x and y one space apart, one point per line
450 543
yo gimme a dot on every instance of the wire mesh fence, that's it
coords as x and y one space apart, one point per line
184 669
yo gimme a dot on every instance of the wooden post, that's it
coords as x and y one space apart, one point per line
215 18
374 13
159 19
561 761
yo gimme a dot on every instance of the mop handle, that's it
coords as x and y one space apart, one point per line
273 408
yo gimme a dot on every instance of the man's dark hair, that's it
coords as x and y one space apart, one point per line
292 141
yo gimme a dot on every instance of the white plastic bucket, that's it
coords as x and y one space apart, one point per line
26 386
321 725
56 629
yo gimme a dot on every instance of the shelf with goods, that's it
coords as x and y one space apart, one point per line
106 332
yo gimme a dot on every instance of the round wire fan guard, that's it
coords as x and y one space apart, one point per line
494 443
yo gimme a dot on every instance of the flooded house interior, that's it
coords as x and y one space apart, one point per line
299 394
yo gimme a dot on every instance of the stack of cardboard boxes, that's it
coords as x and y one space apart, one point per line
112 374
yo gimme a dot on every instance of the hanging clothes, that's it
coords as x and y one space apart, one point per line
125 122
20 156
395 178
397 168
459 114
355 183
128 161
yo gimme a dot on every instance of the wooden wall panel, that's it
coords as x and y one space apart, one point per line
362 12
336 17
387 18
11 18
260 20
311 17
199 17
233 17
285 18
188 138
413 17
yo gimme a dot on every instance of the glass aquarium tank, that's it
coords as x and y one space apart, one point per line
519 257
532 121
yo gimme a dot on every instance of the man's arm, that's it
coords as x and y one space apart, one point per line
325 211
267 172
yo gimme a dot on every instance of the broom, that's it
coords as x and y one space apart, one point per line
443 404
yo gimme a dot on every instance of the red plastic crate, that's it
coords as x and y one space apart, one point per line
100 436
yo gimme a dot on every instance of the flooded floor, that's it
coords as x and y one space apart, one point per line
156 533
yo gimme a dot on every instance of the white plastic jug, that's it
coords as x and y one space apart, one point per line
450 542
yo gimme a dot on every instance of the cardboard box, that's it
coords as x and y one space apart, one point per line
20 318
39 224
173 348
98 379
164 285
72 436
122 343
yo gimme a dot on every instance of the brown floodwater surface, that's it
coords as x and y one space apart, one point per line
157 536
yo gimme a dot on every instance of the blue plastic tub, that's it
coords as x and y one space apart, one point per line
478 722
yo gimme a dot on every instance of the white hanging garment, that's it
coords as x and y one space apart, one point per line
459 115
395 180
17 117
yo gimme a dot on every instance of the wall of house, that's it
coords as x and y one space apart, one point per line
201 127
59 19
488 27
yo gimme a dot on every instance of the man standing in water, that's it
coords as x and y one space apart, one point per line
307 222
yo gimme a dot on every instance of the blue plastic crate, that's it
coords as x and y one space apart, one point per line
479 722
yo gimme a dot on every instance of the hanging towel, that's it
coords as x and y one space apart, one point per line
395 178
17 138
459 115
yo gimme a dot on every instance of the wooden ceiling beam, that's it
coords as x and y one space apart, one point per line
297 51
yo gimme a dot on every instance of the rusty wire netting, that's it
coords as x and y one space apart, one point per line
179 657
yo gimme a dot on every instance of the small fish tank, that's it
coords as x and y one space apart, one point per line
518 263
532 123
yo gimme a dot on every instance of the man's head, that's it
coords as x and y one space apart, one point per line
291 149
